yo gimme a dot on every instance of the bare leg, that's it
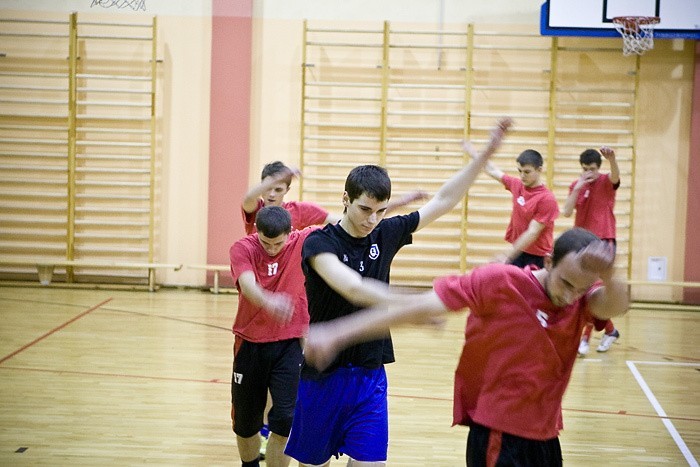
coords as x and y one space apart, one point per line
248 448
275 456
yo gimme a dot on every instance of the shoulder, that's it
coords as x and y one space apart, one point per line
404 221
510 181
609 183
480 286
319 239
303 234
246 245
546 195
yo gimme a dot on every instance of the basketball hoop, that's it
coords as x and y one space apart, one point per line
119 4
637 33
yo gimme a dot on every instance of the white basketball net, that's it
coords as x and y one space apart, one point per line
133 4
637 33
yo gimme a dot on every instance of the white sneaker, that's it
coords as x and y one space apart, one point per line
607 341
583 348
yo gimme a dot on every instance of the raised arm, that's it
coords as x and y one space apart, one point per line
279 305
609 154
612 299
326 339
456 187
490 168
250 200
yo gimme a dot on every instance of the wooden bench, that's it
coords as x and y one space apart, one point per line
45 267
667 283
217 269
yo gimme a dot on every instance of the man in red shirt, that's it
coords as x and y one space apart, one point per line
271 320
520 343
276 179
593 197
531 227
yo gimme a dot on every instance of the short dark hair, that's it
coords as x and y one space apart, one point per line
572 240
274 168
590 156
273 221
372 180
530 157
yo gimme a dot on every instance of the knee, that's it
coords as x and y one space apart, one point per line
281 425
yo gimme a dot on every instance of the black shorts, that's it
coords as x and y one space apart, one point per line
491 447
257 368
524 259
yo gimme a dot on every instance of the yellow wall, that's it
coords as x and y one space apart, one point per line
662 136
184 46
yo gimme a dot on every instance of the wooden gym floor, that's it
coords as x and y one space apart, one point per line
124 378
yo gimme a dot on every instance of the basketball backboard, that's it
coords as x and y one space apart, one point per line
678 18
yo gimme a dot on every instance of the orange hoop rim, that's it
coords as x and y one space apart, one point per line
636 21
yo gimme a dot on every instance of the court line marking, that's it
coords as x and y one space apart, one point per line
116 375
660 411
54 330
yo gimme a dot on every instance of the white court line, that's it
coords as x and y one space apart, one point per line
667 363
660 411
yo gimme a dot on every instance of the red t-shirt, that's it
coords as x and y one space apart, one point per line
304 214
518 353
279 273
536 203
595 206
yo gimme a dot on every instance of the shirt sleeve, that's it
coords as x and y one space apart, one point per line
614 186
316 242
458 292
241 260
509 182
249 218
311 214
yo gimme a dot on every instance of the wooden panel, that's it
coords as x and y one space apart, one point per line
436 88
77 142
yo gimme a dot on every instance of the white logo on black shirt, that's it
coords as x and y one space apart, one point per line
345 258
374 251
238 378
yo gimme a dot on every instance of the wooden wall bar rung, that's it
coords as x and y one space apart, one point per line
434 95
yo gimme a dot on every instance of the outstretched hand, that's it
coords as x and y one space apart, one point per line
287 174
607 153
415 195
502 126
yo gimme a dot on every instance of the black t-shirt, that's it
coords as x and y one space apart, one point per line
370 256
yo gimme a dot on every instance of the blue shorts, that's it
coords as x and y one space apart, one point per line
342 413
